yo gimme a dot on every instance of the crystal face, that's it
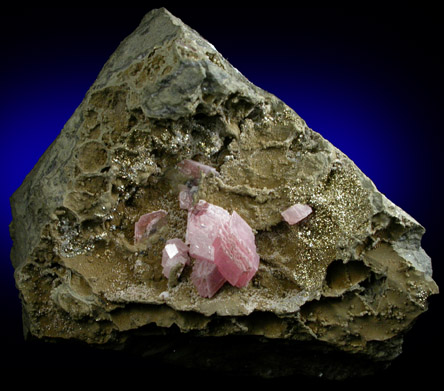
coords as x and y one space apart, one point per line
204 222
206 278
235 251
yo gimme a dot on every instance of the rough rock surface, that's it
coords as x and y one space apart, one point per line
334 294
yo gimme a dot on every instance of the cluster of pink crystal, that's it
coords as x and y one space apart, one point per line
296 213
222 245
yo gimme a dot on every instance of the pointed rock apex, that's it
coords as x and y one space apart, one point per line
172 70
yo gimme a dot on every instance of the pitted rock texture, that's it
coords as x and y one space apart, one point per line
340 288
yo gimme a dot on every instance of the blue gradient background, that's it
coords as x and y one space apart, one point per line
369 81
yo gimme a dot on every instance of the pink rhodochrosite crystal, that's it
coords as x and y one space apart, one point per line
296 213
224 248
148 223
174 257
204 223
235 251
194 169
206 278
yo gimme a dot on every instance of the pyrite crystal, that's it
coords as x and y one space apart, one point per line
334 293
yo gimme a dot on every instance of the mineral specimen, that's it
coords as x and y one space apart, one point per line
333 295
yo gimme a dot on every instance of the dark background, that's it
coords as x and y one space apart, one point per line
369 80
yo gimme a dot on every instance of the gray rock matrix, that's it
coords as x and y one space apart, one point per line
333 295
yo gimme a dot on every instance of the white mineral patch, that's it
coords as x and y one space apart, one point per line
164 295
171 250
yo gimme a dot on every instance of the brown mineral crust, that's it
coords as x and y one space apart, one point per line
349 280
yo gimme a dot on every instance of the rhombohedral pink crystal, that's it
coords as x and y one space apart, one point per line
204 222
223 246
296 213
235 251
